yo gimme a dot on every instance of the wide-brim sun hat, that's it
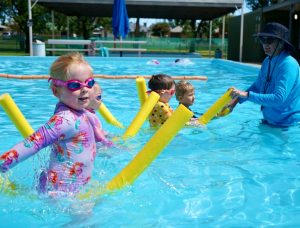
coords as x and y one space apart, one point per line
276 30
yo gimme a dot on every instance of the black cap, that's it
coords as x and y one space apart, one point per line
276 30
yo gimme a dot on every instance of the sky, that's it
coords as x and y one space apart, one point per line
246 10
154 21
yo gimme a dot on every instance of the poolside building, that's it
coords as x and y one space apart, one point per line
285 12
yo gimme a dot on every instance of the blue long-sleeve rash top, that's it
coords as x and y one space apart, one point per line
280 97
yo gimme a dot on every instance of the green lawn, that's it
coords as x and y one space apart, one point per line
13 53
11 47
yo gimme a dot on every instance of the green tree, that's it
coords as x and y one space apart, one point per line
81 26
16 11
188 27
61 26
106 23
188 30
194 29
86 26
3 10
160 29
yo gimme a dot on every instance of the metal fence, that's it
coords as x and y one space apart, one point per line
203 46
12 43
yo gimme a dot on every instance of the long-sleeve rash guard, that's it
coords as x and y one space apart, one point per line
73 149
279 95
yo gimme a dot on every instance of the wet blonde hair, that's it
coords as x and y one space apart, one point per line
183 87
61 68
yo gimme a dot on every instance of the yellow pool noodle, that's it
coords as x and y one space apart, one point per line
15 115
227 110
224 112
24 128
141 116
215 108
106 114
142 89
148 153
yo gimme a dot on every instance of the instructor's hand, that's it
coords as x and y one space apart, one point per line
238 93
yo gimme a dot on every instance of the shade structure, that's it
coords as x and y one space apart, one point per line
160 9
120 21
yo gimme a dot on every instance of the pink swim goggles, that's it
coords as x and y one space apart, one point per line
73 85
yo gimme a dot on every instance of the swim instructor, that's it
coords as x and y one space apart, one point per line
277 87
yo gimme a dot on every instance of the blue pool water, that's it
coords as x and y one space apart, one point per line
234 173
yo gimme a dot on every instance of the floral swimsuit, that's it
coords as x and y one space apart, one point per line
73 149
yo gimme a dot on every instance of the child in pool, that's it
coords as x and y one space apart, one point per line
185 94
96 98
94 105
164 85
69 131
183 62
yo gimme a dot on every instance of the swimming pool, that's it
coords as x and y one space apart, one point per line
234 173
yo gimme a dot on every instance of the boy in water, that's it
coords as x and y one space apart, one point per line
164 85
185 94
